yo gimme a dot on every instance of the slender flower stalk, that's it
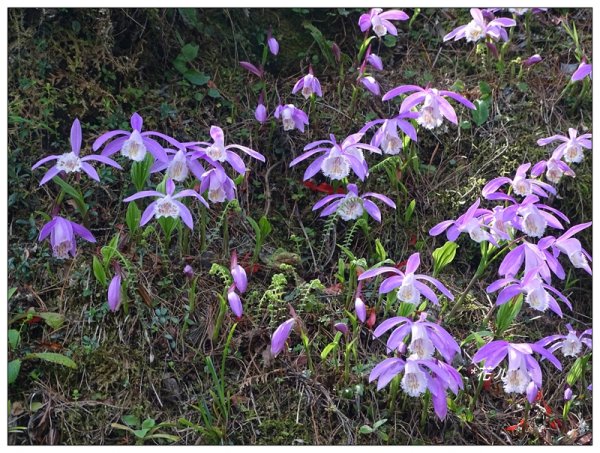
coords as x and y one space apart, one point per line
71 162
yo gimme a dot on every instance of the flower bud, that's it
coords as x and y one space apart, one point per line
188 271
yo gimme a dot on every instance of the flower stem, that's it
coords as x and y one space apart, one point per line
220 316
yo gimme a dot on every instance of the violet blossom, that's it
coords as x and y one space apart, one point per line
479 28
426 337
188 272
524 374
520 184
435 106
235 303
380 21
280 336
537 293
554 167
570 246
272 43
63 234
532 60
309 85
410 288
179 164
375 61
217 184
571 344
114 293
352 205
420 375
240 280
386 137
292 117
470 222
337 160
584 69
253 69
359 305
261 111
136 143
371 84
167 205
571 150
532 217
71 162
218 152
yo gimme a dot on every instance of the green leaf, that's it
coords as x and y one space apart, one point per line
481 112
443 256
196 77
140 433
77 196
131 420
327 350
477 336
11 292
149 423
409 211
323 44
507 313
53 320
577 369
265 227
14 338
98 269
254 226
380 250
214 93
140 172
132 218
14 367
486 90
389 41
190 17
52 357
189 51
378 423
365 429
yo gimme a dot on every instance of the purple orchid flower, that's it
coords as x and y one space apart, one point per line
71 162
188 271
386 137
470 222
272 43
532 60
135 144
62 236
572 147
167 205
533 257
337 161
425 336
351 205
235 303
582 71
371 84
570 246
341 327
499 220
524 374
359 305
410 288
218 152
261 111
375 61
380 21
479 28
309 85
520 184
292 117
240 280
532 217
220 187
281 335
571 344
179 164
555 168
259 72
420 375
537 293
435 106
114 293
337 52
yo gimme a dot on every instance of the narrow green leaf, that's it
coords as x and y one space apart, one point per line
507 313
443 256
265 227
365 429
577 369
14 367
52 357
409 211
133 217
380 250
196 78
14 338
98 269
11 292
327 350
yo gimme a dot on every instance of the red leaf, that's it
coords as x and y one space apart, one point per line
413 240
401 265
323 187
515 427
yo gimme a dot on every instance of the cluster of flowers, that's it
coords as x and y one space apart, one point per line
203 160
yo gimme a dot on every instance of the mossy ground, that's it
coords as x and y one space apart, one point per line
102 65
